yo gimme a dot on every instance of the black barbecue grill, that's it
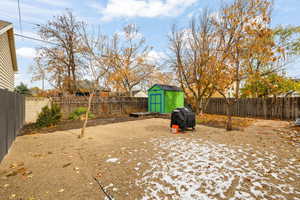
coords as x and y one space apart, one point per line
184 118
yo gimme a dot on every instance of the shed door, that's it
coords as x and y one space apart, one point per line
155 103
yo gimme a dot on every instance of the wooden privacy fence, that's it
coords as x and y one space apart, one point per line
268 108
12 114
102 106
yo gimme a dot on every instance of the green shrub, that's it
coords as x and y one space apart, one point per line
79 114
49 116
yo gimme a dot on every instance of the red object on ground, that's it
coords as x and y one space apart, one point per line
175 128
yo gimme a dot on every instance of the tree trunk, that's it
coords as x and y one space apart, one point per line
197 106
69 80
265 107
237 89
86 116
74 83
229 118
206 102
130 91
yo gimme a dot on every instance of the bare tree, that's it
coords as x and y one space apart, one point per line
62 59
47 67
194 59
128 60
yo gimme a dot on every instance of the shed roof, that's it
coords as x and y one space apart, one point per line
167 87
7 27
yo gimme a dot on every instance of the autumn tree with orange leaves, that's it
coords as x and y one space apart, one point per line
245 45
220 50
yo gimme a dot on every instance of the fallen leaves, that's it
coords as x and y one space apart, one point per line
11 173
18 164
220 121
290 134
99 174
18 168
37 155
66 165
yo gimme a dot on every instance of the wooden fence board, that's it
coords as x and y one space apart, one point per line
102 106
268 108
12 115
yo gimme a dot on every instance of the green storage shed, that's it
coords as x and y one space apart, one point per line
164 98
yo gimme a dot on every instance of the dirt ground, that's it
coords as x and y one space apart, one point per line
65 125
143 160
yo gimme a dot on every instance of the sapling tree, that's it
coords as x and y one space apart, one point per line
94 48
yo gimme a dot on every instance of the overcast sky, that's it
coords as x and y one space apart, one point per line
153 17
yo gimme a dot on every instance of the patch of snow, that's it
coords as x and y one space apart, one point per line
190 168
112 160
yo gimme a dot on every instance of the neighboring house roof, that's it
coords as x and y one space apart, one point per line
139 93
167 87
7 27
134 92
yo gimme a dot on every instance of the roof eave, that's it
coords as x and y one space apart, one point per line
153 87
6 28
12 46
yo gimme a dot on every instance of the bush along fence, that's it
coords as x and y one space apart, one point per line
102 106
12 114
267 108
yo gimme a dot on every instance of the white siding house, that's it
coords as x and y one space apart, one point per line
8 61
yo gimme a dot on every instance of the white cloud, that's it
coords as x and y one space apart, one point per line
26 52
142 8
156 56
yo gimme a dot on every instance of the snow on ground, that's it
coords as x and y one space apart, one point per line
188 169
112 160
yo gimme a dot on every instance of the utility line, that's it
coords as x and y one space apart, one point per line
36 39
23 21
20 18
